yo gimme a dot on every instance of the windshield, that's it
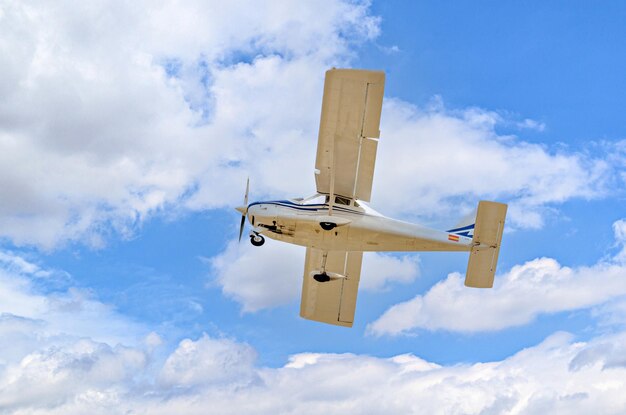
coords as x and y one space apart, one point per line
316 199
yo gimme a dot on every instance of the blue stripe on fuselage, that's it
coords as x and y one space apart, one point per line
307 208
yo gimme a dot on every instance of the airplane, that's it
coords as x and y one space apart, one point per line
337 224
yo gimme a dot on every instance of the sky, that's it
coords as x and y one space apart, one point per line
127 132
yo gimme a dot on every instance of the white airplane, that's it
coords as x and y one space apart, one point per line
336 225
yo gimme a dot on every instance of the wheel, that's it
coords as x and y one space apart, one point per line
328 226
321 277
257 240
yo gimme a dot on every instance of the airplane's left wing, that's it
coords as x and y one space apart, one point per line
349 131
334 301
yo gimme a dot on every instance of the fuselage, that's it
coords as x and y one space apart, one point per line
355 227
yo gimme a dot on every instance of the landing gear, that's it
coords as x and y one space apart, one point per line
328 226
321 277
257 240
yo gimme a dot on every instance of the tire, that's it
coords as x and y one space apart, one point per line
328 226
257 240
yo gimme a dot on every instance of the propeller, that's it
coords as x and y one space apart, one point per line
244 209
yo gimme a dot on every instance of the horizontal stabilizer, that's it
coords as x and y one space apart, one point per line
483 259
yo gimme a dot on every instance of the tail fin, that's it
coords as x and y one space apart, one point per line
486 240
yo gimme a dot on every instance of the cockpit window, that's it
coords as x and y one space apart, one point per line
319 199
313 200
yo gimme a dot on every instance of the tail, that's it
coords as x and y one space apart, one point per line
486 239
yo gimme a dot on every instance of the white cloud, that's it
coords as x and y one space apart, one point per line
19 265
262 277
112 112
379 270
271 275
208 361
556 376
47 369
29 311
56 374
518 296
439 160
619 228
531 124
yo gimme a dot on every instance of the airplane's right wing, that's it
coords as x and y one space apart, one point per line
349 131
334 301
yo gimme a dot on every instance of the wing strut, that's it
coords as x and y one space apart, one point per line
331 197
324 259
361 137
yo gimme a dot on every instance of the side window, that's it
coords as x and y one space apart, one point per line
314 200
356 204
342 201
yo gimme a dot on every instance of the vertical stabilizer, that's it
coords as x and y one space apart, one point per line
483 259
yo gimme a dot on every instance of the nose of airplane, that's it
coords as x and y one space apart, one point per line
241 209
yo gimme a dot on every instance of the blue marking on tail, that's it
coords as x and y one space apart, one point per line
467 231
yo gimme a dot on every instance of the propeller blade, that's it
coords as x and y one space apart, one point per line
244 209
243 222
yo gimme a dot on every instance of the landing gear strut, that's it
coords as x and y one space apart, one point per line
256 239
323 276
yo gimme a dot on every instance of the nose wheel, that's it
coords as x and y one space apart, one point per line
256 239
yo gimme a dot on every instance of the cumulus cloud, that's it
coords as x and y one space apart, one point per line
56 374
556 376
259 278
381 270
439 160
110 113
537 287
112 366
208 361
270 276
62 346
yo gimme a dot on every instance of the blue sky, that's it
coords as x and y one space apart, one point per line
127 134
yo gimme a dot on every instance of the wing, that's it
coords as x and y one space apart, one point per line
349 129
334 301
